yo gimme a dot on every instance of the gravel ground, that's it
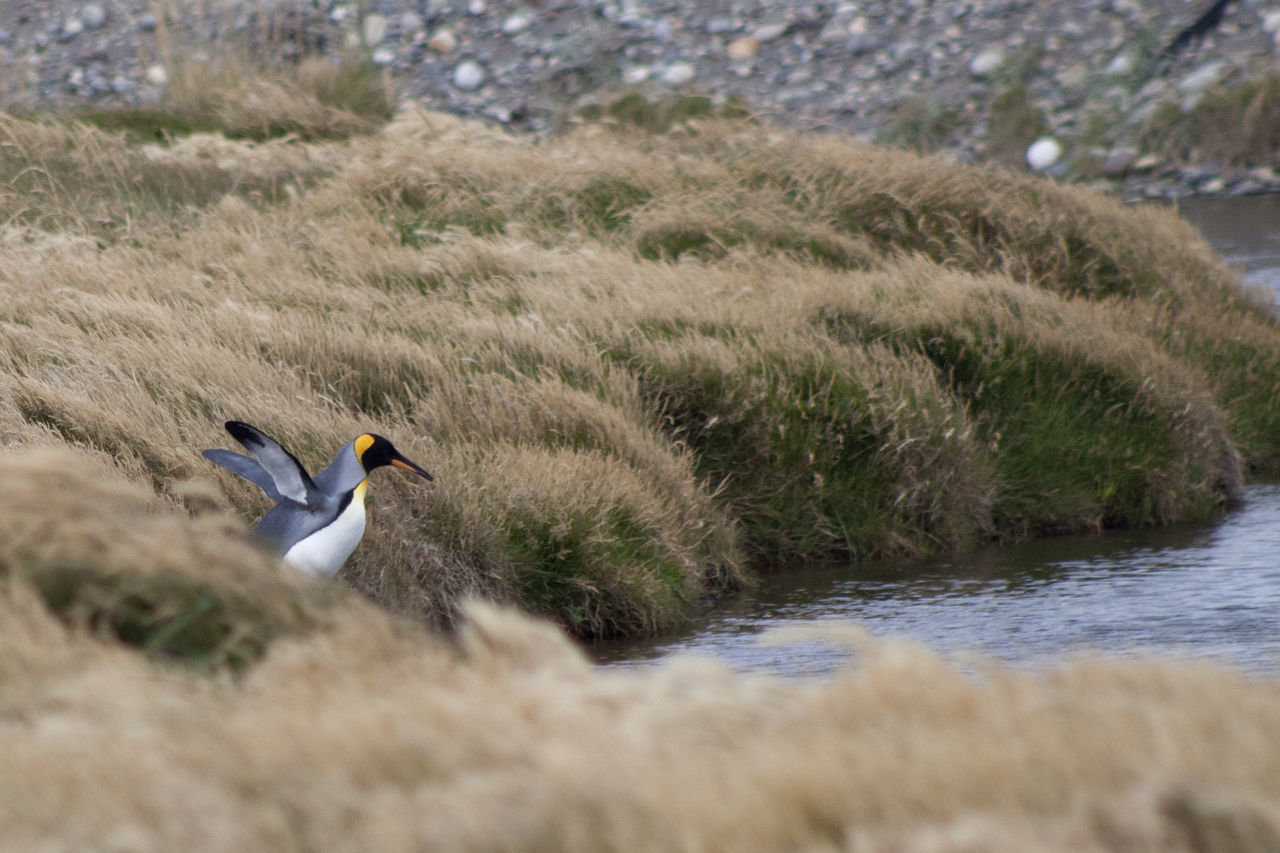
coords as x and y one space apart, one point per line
1094 68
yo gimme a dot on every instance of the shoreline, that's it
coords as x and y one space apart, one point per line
974 82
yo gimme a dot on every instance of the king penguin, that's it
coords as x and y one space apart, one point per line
315 524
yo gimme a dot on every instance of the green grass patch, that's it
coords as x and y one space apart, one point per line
1076 434
599 546
107 558
803 445
1072 446
149 124
920 125
167 617
634 110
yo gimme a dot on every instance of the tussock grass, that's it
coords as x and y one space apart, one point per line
638 364
365 734
316 99
1234 125
106 558
65 177
633 109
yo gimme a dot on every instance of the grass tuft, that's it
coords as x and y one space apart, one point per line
638 364
106 559
1236 125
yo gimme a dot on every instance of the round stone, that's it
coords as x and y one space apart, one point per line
468 76
1120 65
678 74
444 41
515 24
986 62
1043 153
93 15
743 49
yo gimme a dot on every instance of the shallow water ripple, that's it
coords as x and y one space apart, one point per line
1188 591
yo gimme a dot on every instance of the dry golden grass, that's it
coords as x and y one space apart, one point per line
364 734
316 99
634 365
355 731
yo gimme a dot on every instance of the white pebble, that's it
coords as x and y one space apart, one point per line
468 76
517 23
766 33
1120 65
1043 153
635 75
157 75
986 62
677 74
93 15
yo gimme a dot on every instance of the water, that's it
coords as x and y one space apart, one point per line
1206 590
1198 590
1246 231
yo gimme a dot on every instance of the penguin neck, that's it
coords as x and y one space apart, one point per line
358 493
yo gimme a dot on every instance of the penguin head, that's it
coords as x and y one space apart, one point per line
374 451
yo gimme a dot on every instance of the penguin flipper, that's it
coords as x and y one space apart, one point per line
240 464
287 474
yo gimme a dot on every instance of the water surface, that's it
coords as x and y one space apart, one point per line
1206 590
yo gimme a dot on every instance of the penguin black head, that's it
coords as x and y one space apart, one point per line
374 451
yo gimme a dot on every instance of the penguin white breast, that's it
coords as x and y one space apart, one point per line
324 552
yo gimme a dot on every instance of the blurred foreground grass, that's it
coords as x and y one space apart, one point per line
356 730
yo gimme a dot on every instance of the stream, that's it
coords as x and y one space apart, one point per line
1193 590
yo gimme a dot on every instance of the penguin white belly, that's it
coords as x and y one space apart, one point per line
324 552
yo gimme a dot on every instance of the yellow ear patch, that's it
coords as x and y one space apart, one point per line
362 444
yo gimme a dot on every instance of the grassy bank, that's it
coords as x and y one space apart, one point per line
639 364
640 367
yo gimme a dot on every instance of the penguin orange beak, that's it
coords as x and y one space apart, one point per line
401 462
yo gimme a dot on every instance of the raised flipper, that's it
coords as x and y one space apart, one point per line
271 464
238 463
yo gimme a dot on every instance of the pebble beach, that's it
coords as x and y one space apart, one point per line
1095 71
